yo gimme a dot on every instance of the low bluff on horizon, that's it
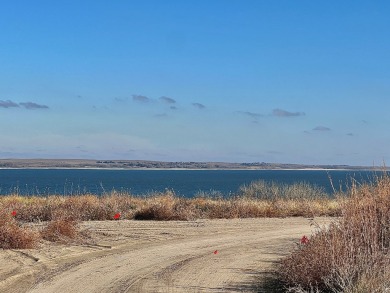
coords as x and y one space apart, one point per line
145 164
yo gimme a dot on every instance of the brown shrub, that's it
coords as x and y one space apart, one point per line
164 207
12 235
352 254
60 230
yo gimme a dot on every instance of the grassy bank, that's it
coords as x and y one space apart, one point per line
353 253
258 199
350 255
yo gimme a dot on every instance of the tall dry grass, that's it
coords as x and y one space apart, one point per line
266 190
287 200
351 255
259 199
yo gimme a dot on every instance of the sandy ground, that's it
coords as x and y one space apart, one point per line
135 256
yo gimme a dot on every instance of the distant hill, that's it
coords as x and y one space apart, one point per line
143 164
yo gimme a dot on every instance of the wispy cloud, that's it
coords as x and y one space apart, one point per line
167 100
141 99
284 113
321 128
119 100
173 107
8 104
163 115
274 152
26 105
350 134
32 106
199 105
251 114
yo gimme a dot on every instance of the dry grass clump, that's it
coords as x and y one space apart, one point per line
271 191
60 230
165 207
295 200
14 236
352 254
230 208
83 207
290 200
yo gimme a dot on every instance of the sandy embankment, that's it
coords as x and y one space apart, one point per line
134 256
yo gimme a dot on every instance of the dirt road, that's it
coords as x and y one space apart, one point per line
134 256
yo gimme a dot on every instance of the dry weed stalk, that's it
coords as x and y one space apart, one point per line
352 254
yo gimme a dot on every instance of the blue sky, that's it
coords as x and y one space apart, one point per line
238 81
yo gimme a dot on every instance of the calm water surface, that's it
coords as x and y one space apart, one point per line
140 182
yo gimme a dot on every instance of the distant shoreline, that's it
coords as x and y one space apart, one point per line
182 169
158 165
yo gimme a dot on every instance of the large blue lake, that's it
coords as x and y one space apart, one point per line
141 182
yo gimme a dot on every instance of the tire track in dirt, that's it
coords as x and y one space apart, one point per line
184 262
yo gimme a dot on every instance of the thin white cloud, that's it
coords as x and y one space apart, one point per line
274 152
141 99
321 128
8 104
26 105
32 106
163 115
284 113
199 105
119 100
167 100
251 114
